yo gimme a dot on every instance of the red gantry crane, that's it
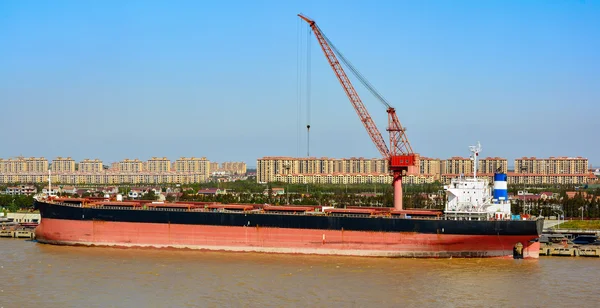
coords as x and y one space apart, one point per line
400 155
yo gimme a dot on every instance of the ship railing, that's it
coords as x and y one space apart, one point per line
236 212
349 215
68 204
413 217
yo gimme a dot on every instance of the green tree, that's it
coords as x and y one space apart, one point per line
150 195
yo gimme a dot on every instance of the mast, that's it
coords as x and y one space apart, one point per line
475 149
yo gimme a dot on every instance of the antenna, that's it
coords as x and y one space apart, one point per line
475 149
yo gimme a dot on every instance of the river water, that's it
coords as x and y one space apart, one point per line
38 275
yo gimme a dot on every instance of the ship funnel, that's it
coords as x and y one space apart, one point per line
500 187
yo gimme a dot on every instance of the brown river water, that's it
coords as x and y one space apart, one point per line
38 275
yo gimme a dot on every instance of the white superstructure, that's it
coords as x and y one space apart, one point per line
472 198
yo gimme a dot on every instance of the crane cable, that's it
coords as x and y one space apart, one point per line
355 71
308 89
298 86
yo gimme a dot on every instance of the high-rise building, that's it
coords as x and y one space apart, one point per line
13 165
213 167
192 164
131 165
37 164
269 167
491 165
90 166
552 165
430 166
234 167
157 164
457 165
61 165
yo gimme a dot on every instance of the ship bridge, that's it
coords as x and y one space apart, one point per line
472 198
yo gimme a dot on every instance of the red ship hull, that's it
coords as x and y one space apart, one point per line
280 240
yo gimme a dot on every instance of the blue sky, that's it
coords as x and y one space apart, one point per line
136 79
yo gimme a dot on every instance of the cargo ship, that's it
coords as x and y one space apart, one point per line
475 223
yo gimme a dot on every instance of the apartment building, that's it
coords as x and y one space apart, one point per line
62 165
192 164
77 178
492 165
430 166
213 167
159 164
13 165
21 190
457 165
90 166
360 170
552 165
24 164
462 165
234 167
131 165
39 164
270 167
155 171
535 179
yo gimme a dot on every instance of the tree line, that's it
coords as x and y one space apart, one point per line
14 203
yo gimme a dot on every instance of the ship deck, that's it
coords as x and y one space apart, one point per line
259 209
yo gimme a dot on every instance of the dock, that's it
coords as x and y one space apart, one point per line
592 251
558 242
30 234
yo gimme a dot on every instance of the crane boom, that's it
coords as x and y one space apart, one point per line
400 155
357 103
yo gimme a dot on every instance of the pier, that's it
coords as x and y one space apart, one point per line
570 250
30 234
558 242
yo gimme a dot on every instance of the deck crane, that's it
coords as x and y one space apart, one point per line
400 155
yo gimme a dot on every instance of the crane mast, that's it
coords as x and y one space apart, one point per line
400 155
